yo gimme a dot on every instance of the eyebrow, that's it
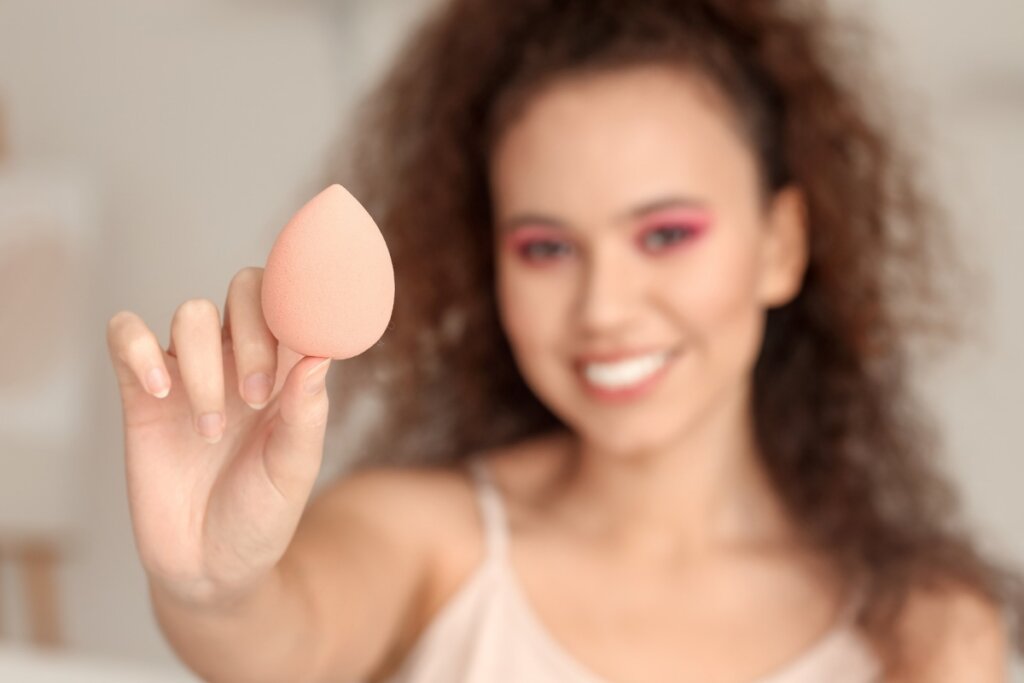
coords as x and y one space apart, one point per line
671 201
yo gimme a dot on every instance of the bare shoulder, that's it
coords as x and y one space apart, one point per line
431 508
409 504
368 548
954 633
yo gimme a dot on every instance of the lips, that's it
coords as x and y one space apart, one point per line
613 385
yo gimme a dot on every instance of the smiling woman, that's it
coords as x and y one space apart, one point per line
676 263
659 265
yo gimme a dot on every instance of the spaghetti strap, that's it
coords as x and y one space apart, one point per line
492 511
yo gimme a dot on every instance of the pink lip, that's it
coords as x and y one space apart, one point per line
626 393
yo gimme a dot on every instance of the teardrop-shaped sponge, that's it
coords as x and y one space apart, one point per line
329 285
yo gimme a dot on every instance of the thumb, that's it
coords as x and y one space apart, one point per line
294 448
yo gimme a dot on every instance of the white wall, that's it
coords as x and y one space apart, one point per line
203 125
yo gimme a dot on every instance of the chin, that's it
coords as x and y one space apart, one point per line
623 433
625 428
627 441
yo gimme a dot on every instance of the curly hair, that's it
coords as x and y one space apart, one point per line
850 448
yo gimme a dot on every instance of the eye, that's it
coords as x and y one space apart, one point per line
542 250
667 236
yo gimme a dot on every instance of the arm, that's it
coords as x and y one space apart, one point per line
334 605
254 639
363 550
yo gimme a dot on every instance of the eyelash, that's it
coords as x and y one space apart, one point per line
681 234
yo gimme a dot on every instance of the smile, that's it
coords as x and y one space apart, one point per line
627 378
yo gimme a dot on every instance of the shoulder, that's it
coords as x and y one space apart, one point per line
430 503
954 633
410 503
366 547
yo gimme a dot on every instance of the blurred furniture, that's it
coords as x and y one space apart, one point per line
35 560
47 248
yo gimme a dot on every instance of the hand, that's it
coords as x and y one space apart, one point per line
217 480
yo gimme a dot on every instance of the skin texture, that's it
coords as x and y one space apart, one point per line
676 469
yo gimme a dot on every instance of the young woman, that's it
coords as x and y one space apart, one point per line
648 415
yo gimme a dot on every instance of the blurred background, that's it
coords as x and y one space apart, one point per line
150 149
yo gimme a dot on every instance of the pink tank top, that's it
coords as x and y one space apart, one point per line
488 633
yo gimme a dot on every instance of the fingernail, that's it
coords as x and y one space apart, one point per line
211 426
315 379
158 383
257 389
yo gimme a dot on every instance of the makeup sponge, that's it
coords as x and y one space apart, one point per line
329 285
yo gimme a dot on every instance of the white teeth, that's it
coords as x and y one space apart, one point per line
624 373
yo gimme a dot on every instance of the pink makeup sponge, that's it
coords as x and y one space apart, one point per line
329 285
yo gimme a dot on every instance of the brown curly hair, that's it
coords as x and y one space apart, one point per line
850 448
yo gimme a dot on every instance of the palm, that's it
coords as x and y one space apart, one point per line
204 515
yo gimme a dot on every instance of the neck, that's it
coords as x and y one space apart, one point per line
702 491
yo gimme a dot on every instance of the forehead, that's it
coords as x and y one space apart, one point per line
609 139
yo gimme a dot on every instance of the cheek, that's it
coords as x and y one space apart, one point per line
530 305
717 303
533 314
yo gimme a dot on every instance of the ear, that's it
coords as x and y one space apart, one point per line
785 253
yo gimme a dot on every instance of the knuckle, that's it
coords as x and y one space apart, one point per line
318 414
254 351
128 338
135 347
207 392
313 413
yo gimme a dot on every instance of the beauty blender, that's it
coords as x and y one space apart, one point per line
329 285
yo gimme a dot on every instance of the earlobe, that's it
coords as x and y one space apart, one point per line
786 249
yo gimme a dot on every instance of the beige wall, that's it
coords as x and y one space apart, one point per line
202 125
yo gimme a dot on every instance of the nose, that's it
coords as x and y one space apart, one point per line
609 293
